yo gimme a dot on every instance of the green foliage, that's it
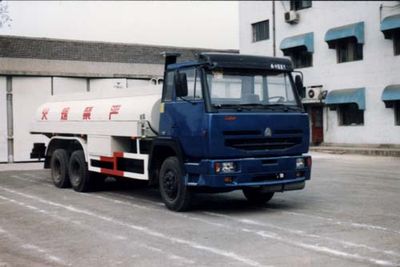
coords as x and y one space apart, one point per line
5 19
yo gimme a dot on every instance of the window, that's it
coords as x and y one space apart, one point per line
231 89
349 114
300 56
260 30
348 50
299 4
396 42
194 84
169 87
397 113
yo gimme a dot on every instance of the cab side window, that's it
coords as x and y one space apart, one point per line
194 84
169 87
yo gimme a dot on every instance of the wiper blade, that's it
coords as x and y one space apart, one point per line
237 107
249 106
225 106
282 106
252 104
271 105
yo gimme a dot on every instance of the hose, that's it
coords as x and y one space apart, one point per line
151 128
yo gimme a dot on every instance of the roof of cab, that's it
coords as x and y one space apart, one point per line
182 65
230 60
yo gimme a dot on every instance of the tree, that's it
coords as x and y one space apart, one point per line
5 19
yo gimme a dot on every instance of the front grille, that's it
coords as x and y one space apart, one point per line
291 131
265 143
244 132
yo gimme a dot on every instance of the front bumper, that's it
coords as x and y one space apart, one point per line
272 173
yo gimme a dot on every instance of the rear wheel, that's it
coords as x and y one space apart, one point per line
59 168
81 179
173 189
257 196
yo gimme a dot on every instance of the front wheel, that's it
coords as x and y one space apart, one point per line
257 196
173 189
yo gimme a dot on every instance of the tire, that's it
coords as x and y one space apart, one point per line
173 190
80 178
59 168
256 196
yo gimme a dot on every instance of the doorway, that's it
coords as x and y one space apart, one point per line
316 120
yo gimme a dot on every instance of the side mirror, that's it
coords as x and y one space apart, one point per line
298 82
181 87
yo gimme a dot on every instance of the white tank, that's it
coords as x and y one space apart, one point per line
116 116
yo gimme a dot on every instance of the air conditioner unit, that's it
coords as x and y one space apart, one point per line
119 83
313 93
292 17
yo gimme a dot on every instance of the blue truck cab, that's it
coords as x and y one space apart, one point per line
230 122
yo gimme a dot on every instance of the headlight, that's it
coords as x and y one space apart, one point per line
225 167
300 163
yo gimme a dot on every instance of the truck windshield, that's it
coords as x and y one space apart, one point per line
235 89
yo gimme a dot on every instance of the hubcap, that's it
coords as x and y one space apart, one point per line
75 173
57 171
170 184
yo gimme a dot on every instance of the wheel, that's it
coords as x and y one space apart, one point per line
257 196
173 189
80 178
59 168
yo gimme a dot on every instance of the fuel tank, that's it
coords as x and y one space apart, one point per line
116 116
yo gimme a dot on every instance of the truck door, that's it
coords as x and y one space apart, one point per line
182 118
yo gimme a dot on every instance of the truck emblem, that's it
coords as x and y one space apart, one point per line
268 132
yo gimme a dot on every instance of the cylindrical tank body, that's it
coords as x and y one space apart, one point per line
119 116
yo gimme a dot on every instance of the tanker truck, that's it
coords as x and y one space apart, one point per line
221 122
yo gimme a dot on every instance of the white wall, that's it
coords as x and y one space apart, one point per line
378 68
28 94
67 86
104 87
135 83
3 120
251 12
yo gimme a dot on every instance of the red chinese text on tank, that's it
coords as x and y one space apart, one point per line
45 111
64 114
87 112
114 110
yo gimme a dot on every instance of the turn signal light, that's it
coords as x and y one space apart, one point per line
217 167
309 162
228 180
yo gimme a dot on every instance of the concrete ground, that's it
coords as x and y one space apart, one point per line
29 166
348 215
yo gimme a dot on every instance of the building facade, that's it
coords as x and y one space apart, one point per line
349 54
33 70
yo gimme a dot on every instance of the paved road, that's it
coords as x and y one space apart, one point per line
348 215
